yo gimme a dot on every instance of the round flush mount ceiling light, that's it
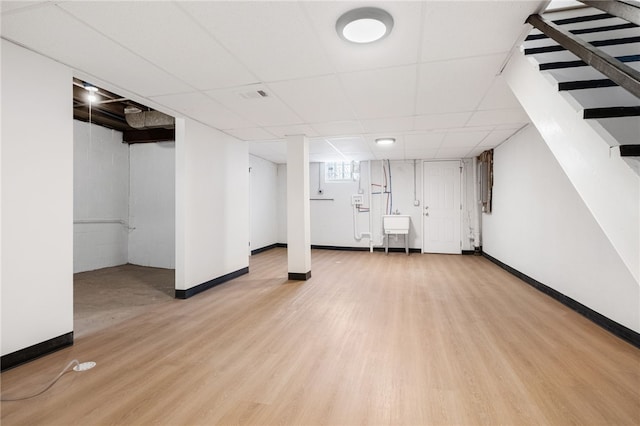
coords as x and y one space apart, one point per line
364 25
385 141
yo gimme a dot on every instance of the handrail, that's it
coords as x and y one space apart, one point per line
622 74
625 10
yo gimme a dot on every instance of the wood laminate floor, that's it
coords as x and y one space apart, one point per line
369 339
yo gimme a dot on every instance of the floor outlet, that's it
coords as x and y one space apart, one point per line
84 366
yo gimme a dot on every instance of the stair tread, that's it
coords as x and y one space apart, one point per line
630 150
605 97
611 112
585 84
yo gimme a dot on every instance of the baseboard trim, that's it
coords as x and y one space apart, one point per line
298 276
265 248
608 324
38 350
185 294
339 248
377 249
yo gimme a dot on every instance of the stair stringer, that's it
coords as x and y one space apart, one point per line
609 187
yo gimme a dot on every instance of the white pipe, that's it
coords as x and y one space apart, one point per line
370 206
93 221
356 235
476 205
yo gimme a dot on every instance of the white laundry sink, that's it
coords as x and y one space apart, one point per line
396 223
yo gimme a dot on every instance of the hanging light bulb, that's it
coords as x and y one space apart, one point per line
92 95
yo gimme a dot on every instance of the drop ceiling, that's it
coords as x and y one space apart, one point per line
262 70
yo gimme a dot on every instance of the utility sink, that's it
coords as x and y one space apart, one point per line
396 224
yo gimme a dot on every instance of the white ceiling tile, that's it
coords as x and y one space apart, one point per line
204 109
359 156
166 37
320 146
495 138
13 6
294 129
326 157
400 47
381 93
421 154
475 152
452 153
335 128
349 144
252 134
390 155
463 139
441 121
499 96
455 85
274 151
273 39
455 29
509 126
388 125
423 141
499 116
265 111
315 99
54 33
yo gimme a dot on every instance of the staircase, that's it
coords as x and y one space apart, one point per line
611 110
586 106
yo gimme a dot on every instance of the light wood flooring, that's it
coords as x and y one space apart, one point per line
369 339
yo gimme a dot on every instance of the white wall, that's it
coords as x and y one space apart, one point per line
152 205
604 181
101 197
282 203
332 221
263 202
541 227
212 204
37 199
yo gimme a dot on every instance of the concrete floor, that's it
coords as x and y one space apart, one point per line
105 297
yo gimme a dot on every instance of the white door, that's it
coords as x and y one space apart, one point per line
441 208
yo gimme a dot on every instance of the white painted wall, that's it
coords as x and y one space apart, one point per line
101 197
332 221
152 205
37 199
282 203
212 204
608 186
263 202
541 227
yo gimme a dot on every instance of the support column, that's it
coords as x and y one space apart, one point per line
298 213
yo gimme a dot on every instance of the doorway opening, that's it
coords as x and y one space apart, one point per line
124 207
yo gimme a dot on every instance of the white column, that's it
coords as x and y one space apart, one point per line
298 213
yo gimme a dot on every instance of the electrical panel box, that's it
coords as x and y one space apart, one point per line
357 200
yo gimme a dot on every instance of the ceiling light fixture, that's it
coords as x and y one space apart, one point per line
364 25
93 90
385 141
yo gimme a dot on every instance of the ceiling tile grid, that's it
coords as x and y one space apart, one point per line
263 70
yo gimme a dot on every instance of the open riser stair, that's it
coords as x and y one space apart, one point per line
601 101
